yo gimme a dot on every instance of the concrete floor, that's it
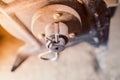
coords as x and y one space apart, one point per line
75 63
113 69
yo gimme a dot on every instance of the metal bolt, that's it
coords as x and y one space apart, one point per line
72 35
57 15
96 14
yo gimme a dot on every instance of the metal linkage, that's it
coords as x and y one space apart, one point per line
55 43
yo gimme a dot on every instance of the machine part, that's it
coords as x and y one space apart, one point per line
72 35
58 28
56 25
66 15
33 23
19 60
56 16
57 46
54 58
56 37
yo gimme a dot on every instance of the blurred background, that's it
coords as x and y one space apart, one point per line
74 64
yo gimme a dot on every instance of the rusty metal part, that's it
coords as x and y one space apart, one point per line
56 36
56 23
56 39
46 15
59 45
34 22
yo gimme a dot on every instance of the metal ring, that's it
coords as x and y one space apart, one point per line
48 52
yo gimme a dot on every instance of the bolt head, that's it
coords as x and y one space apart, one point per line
72 35
57 15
